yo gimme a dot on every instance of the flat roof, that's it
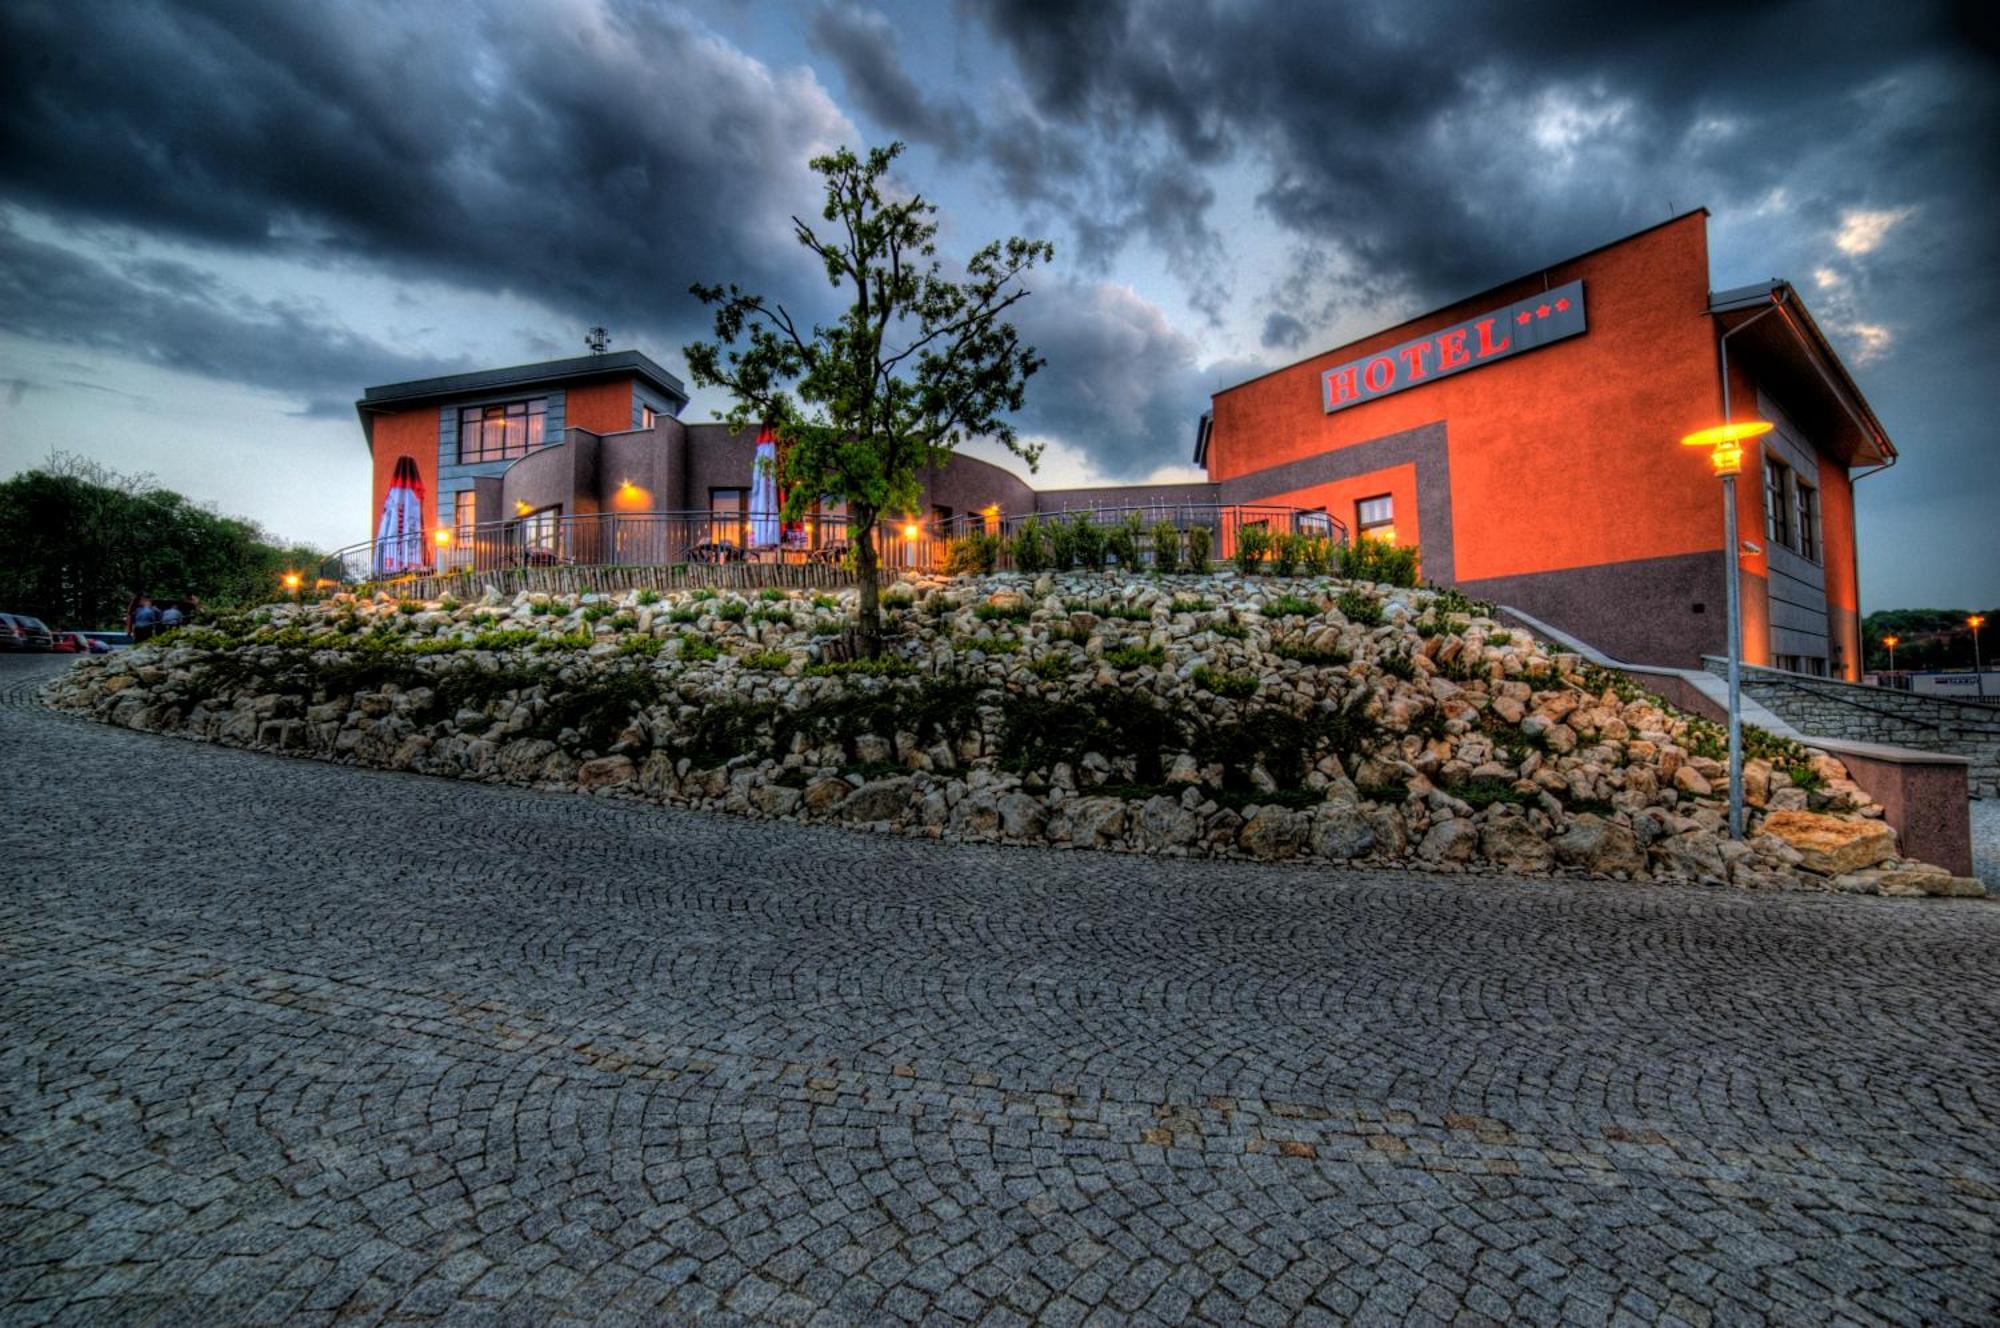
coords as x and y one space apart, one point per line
611 364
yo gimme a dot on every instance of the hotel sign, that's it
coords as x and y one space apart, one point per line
1522 326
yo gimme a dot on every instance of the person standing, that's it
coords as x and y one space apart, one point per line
145 619
171 616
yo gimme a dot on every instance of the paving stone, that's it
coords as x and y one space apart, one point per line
294 1042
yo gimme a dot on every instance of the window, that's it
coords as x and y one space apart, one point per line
541 530
501 432
726 510
1375 518
940 519
1808 506
648 417
1778 503
465 514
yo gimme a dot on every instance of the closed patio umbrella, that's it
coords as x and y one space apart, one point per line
399 539
764 493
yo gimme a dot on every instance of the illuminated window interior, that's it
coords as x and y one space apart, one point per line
1375 518
501 431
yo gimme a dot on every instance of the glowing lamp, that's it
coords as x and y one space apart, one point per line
909 532
521 508
291 580
441 537
1725 443
1976 621
1892 641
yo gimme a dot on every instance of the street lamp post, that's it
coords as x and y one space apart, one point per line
1725 444
1975 622
1890 641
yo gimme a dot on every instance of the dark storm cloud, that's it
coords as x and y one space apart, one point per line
1282 332
598 159
1452 146
863 43
174 320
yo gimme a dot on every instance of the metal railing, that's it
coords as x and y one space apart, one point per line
664 539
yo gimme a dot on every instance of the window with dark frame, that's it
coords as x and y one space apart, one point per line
464 513
1808 510
541 529
648 417
1375 518
501 431
1778 504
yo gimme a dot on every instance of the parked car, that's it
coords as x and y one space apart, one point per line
69 643
20 632
103 643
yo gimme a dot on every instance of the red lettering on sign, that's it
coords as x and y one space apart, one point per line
1487 346
1375 382
1413 360
1343 384
1451 350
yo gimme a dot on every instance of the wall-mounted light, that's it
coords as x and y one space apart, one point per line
441 536
291 580
521 508
910 532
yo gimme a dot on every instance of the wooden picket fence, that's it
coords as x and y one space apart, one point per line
609 579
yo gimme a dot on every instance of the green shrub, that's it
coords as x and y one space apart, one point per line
1291 606
1805 777
596 612
732 610
1315 553
1359 608
409 608
1062 546
1123 612
1450 599
695 647
704 594
1398 666
645 646
992 645
1118 723
1253 542
1285 553
772 595
782 617
1166 546
684 615
1122 542
1235 631
937 606
973 553
724 730
999 613
767 659
1030 547
1087 539
1186 604
1317 657
1499 638
861 668
1387 791
1200 544
506 638
1485 791
895 601
1132 657
825 602
566 641
542 609
1052 667
1231 686
440 645
649 597
1380 561
623 622
1426 629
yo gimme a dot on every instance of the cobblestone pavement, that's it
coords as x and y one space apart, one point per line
290 1043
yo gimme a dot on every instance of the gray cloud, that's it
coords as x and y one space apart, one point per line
863 43
1282 331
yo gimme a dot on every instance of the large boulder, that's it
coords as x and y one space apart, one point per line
1830 845
1341 830
1273 833
605 771
1515 846
1598 845
878 800
1453 839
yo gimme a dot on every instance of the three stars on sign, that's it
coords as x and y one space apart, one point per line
1542 311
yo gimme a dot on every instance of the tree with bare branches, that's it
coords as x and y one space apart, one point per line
918 363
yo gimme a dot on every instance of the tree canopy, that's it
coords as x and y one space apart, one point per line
1927 638
81 540
919 362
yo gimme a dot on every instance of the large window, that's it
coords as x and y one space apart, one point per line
501 432
1375 518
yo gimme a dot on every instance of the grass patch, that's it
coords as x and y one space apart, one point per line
1230 686
1291 606
1018 613
1133 657
1325 657
1360 608
645 647
696 648
767 660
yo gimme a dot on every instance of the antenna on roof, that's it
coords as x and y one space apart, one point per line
598 340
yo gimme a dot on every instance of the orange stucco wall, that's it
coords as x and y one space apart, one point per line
599 407
413 434
1843 569
1339 498
1560 457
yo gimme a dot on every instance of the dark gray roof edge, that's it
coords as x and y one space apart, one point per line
1743 297
521 375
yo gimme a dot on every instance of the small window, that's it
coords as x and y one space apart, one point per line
501 432
1375 518
1808 509
727 510
648 417
940 519
464 513
541 530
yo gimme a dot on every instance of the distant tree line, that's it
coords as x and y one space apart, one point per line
1928 639
78 540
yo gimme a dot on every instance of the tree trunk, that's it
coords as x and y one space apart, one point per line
869 618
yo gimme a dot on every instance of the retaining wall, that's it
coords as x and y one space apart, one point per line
1874 714
612 579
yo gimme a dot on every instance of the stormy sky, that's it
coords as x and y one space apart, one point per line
220 221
